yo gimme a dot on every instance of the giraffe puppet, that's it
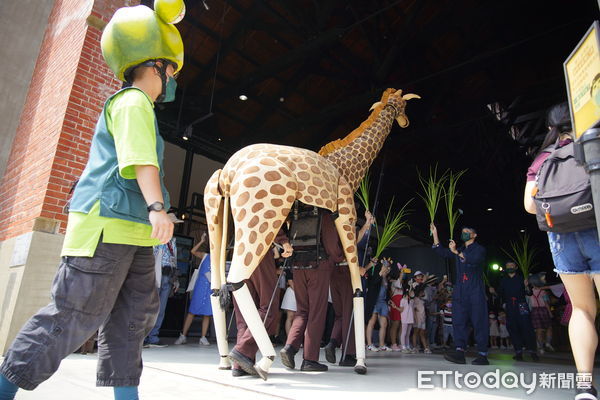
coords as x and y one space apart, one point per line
260 182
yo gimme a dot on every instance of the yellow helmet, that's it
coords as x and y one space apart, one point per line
138 34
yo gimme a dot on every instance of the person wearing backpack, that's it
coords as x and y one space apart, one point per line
558 192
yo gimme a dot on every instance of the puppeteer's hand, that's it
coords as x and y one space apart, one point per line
433 228
370 219
288 250
452 246
162 226
203 237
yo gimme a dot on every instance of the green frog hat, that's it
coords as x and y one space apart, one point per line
139 34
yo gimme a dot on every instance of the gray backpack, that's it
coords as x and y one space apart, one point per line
564 196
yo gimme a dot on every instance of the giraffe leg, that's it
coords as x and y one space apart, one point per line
345 227
216 217
261 198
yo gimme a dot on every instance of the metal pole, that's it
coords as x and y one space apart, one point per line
366 247
590 142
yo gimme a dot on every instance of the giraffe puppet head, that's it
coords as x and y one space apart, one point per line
395 99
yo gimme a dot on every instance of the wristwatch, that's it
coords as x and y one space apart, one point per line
156 206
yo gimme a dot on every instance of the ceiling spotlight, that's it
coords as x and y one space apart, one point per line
281 99
205 5
243 97
185 137
219 139
522 231
187 133
490 209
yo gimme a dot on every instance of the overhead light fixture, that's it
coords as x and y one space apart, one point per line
205 5
243 97
219 139
522 230
490 209
281 99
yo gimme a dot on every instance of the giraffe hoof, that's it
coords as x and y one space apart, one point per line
261 372
360 369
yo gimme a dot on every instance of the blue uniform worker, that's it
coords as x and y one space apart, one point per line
518 320
468 298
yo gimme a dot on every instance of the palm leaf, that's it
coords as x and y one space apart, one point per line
392 225
433 190
523 254
363 191
450 194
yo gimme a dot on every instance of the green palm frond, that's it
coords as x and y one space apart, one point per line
433 190
392 225
363 191
523 254
450 194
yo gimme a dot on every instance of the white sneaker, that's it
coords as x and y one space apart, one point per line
372 348
384 348
182 339
549 347
405 350
204 341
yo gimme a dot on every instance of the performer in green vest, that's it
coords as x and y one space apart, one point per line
106 280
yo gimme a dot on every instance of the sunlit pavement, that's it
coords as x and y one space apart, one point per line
190 372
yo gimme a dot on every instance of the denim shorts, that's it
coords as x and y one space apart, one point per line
575 252
381 308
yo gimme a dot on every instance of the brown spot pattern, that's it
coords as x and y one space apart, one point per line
251 170
240 249
277 189
240 214
253 222
269 238
268 161
276 202
251 182
252 237
261 194
344 210
248 259
270 214
259 249
263 227
257 207
272 176
242 199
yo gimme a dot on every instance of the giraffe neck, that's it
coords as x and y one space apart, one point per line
354 159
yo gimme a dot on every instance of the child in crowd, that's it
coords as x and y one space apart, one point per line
381 310
395 311
494 331
447 321
420 319
407 317
504 336
541 318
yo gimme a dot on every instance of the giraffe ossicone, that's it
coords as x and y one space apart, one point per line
260 183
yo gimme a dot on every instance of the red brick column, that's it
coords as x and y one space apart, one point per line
69 85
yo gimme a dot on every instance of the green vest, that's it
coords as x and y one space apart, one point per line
119 197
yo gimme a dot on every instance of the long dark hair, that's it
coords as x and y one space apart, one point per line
559 121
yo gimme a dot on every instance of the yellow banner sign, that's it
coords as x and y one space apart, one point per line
582 73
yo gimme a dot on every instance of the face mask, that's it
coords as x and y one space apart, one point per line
465 236
169 90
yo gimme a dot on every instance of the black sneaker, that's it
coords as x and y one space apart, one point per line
455 356
480 360
330 352
586 394
245 363
287 356
313 366
518 357
349 361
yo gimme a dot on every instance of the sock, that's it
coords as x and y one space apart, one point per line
126 393
7 389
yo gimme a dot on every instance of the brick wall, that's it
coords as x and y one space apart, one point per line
69 85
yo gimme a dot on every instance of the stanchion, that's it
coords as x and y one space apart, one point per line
587 152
